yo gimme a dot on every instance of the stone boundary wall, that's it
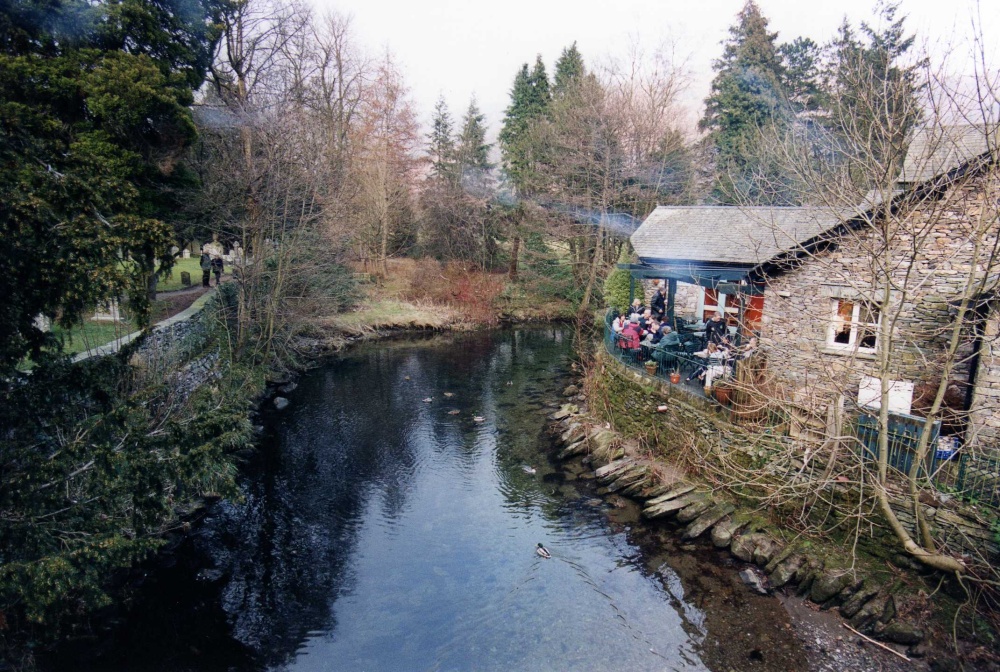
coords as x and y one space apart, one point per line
630 403
168 330
174 349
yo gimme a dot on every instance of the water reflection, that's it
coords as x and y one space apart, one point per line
383 532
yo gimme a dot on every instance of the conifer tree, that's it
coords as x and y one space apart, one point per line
94 103
529 100
747 97
873 94
473 152
442 146
569 69
801 75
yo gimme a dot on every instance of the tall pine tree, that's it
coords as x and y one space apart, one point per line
529 100
569 70
873 92
441 147
473 152
746 102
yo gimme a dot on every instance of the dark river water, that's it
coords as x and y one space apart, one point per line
390 523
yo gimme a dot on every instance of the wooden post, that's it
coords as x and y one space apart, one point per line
671 293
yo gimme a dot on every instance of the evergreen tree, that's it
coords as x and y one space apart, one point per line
94 103
874 96
747 100
801 75
529 100
473 152
569 70
442 146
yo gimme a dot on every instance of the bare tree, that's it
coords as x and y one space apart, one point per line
383 166
892 293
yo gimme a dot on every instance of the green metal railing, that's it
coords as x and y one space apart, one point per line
949 467
657 362
952 469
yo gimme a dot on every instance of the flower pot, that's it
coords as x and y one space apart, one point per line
651 368
675 378
722 395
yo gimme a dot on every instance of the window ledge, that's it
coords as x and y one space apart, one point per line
857 354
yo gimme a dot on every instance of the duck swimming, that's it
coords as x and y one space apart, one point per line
542 551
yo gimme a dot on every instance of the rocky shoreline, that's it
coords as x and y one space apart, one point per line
849 619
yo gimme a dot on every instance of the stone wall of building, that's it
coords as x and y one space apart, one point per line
685 300
929 270
984 424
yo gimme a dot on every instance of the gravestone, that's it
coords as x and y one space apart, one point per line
107 312
185 278
186 254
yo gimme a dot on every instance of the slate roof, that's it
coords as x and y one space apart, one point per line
727 234
939 149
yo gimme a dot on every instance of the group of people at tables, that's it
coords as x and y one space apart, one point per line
646 336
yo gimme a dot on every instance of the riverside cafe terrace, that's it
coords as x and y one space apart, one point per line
717 258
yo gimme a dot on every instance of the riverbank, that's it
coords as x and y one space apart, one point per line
625 444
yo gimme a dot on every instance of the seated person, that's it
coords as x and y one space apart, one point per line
747 350
714 367
645 319
618 324
636 308
668 337
649 328
631 334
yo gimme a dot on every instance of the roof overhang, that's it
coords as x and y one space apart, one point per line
710 275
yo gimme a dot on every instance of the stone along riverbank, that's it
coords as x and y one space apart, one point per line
389 522
846 617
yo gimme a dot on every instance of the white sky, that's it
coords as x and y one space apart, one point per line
463 47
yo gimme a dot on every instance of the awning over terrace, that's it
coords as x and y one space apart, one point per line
723 248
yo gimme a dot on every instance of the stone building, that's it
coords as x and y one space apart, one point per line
845 297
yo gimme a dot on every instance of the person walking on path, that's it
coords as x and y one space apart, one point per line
206 269
217 269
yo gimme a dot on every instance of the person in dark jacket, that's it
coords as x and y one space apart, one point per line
716 330
206 269
217 269
658 304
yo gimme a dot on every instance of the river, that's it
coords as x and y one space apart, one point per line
390 522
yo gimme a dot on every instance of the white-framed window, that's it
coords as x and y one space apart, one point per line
853 326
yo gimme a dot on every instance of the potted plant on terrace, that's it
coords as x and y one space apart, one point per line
651 365
722 388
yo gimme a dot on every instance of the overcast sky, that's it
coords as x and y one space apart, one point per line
458 48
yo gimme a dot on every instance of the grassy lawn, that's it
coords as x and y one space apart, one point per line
173 281
91 334
392 313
